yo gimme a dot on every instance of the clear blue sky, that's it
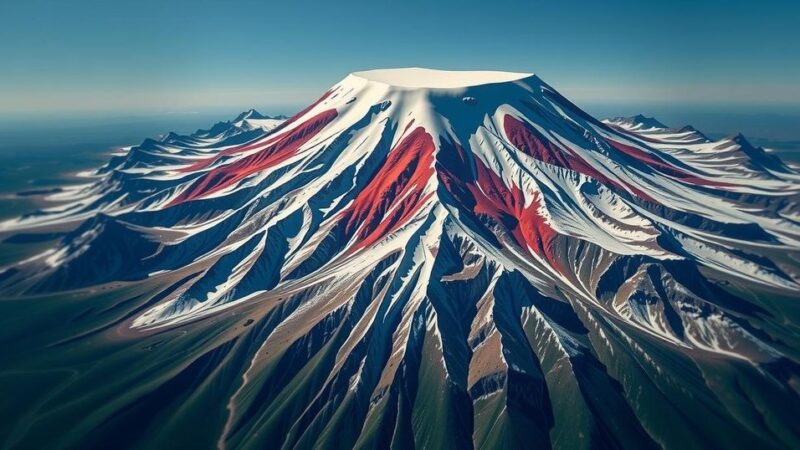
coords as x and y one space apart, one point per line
184 55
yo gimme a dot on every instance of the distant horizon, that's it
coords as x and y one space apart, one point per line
757 121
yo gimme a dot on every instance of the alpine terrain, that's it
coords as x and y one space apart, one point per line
418 259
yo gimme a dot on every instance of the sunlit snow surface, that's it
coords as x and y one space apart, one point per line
438 79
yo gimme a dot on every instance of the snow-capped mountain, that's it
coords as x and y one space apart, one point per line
438 259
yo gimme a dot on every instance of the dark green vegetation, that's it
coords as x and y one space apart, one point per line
75 376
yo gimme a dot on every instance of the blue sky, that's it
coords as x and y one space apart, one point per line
199 55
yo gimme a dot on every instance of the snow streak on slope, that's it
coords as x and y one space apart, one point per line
464 259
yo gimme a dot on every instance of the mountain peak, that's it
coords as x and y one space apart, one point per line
421 78
249 114
639 121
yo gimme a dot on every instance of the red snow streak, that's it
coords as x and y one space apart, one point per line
227 175
532 143
260 144
203 163
528 140
396 189
486 194
263 142
661 166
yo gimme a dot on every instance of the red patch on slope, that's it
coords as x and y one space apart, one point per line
394 193
486 194
529 141
227 175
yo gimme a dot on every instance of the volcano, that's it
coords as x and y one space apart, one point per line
418 259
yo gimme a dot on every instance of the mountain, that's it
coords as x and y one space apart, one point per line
419 258
638 123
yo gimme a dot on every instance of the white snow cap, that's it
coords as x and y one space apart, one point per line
416 77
